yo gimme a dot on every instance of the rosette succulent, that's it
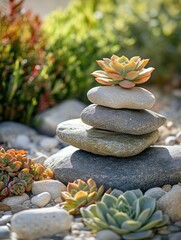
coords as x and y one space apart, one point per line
131 215
80 193
123 71
17 172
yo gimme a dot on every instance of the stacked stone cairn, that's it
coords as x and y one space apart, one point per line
119 122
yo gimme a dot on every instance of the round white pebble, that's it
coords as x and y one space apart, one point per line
54 187
49 143
41 199
170 140
22 141
40 222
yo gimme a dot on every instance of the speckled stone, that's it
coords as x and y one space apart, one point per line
5 219
117 97
4 207
102 142
176 236
4 232
107 235
170 203
41 199
53 187
154 167
15 199
41 222
156 192
136 122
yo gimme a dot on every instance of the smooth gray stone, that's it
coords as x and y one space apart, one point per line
103 142
136 122
49 119
154 167
4 232
118 97
10 130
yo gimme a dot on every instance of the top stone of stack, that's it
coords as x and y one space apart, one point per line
121 75
117 97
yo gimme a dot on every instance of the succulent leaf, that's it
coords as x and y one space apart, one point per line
138 235
111 219
17 172
81 194
109 200
101 211
123 71
121 217
131 214
155 219
131 225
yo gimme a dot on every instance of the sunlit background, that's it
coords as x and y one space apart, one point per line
51 47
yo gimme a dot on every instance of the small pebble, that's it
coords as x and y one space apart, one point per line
167 187
4 207
54 187
170 140
164 232
176 186
158 237
40 222
178 137
58 200
78 219
155 192
27 203
77 226
176 236
22 141
8 213
15 199
5 219
169 124
69 238
75 232
178 224
49 143
170 203
18 208
41 199
107 235
40 158
4 232
173 228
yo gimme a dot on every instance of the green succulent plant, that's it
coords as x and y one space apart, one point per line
80 193
131 215
123 71
17 172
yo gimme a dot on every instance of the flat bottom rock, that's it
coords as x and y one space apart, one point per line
154 167
102 142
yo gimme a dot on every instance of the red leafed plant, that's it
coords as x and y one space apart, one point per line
22 57
17 172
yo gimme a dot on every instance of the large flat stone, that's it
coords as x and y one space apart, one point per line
128 121
154 167
102 142
49 119
118 97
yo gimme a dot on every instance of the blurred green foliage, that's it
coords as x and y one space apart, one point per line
40 68
85 32
76 38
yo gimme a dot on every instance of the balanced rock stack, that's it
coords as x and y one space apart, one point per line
119 122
